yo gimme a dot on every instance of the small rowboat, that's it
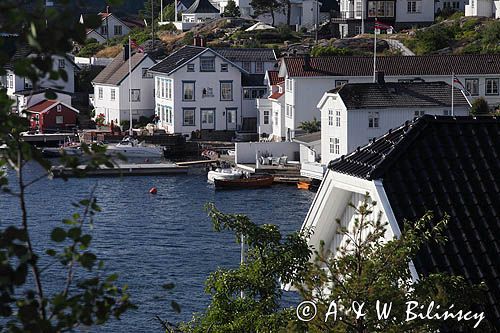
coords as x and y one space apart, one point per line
303 185
251 182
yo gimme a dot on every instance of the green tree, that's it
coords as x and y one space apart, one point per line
247 298
319 51
366 268
265 7
169 13
231 10
26 305
480 106
310 126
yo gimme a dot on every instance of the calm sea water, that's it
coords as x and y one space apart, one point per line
153 239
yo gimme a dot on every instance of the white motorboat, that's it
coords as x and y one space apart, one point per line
132 148
224 172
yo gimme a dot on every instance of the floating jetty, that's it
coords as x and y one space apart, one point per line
152 169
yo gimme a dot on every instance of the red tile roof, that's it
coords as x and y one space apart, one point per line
276 95
466 64
274 78
40 106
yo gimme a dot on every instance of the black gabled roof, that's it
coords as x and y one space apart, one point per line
202 7
236 54
21 51
177 59
398 95
451 166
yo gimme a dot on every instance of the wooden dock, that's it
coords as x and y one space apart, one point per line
155 169
189 163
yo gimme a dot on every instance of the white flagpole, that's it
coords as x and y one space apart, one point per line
452 97
375 51
161 11
130 132
175 5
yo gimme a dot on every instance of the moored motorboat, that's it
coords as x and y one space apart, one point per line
250 182
224 172
132 148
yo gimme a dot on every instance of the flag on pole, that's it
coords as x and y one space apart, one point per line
134 45
459 83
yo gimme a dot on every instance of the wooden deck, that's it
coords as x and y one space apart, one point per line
124 170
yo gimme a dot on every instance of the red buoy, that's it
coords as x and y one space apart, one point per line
153 190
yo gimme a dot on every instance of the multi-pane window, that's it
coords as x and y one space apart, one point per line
275 118
337 118
373 119
62 63
207 64
289 85
113 94
163 88
266 117
289 110
380 8
259 67
189 117
332 146
231 116
330 117
249 93
104 30
59 120
188 91
135 95
337 146
247 65
419 113
492 86
472 86
10 81
190 67
446 113
223 67
226 91
414 7
100 93
27 84
118 30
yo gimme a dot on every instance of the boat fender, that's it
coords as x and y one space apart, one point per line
153 190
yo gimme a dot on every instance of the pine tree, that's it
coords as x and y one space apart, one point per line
231 10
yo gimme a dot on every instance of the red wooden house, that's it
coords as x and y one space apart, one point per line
51 116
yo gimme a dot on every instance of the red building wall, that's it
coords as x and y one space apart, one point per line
48 120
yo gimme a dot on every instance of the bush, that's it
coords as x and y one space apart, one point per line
319 51
167 27
88 50
480 106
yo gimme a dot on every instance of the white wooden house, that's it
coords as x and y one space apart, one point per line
111 26
198 89
18 86
486 8
113 83
306 78
355 113
447 165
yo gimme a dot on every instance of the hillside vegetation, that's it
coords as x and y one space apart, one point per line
456 35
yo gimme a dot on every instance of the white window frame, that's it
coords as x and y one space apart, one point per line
332 146
135 95
289 85
226 90
59 120
231 116
224 67
207 64
472 86
337 118
337 146
491 86
190 67
330 118
259 67
184 122
100 93
113 94
247 65
373 119
266 119
186 84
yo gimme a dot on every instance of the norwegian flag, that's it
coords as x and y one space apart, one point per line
460 85
134 45
383 26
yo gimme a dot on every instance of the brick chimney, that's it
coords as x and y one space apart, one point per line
126 53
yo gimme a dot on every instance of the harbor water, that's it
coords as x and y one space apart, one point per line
151 240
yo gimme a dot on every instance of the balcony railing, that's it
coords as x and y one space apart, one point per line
347 15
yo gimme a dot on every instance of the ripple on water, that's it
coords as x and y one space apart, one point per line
153 239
